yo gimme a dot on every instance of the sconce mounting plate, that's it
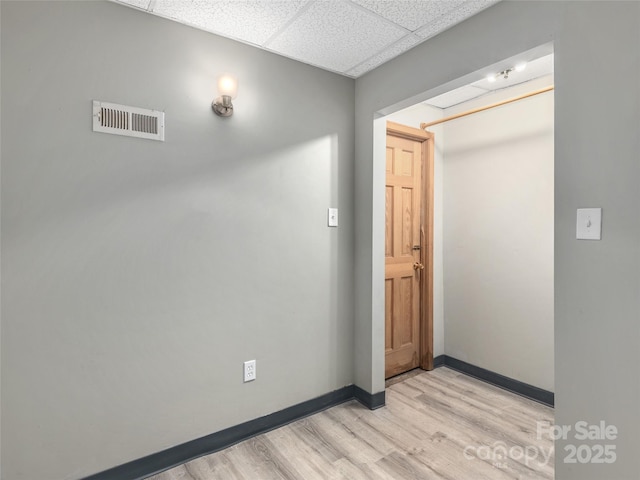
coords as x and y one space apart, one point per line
222 106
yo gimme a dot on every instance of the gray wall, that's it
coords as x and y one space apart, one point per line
133 270
137 276
498 236
597 117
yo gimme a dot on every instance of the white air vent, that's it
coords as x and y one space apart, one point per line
130 121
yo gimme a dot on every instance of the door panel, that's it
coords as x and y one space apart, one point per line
388 244
406 336
402 280
388 315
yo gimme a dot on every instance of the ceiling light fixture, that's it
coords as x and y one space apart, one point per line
505 73
228 90
492 77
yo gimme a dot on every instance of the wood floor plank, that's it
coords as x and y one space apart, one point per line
352 471
270 461
403 466
222 466
438 425
306 432
347 442
312 465
243 463
352 419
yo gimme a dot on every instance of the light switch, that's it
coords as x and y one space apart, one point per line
333 217
589 221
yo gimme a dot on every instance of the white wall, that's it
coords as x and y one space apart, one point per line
597 117
412 117
137 276
498 235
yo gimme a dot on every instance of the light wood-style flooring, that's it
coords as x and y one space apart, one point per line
435 425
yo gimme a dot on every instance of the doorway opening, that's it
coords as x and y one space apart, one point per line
493 200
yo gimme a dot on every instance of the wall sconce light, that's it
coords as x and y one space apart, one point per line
228 90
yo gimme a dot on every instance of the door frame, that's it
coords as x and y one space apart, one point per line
426 236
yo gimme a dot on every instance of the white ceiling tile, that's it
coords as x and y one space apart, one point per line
253 21
143 4
453 17
184 11
411 14
335 35
456 96
393 51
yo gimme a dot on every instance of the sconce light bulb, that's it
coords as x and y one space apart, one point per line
521 66
228 90
228 85
491 77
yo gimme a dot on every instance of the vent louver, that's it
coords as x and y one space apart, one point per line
129 121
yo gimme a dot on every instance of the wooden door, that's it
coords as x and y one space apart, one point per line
409 250
403 252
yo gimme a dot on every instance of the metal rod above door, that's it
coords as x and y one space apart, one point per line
424 126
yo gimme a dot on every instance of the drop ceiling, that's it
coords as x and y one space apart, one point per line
349 37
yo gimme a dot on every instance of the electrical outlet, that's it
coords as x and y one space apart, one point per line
249 370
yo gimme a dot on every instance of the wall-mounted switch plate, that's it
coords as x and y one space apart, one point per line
589 223
333 217
249 370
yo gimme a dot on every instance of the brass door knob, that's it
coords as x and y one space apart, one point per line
418 266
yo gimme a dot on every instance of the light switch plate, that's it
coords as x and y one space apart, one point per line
333 217
589 223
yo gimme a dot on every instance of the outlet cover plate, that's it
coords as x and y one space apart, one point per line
249 371
333 217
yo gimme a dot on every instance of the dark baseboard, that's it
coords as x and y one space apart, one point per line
515 386
370 400
438 361
161 461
